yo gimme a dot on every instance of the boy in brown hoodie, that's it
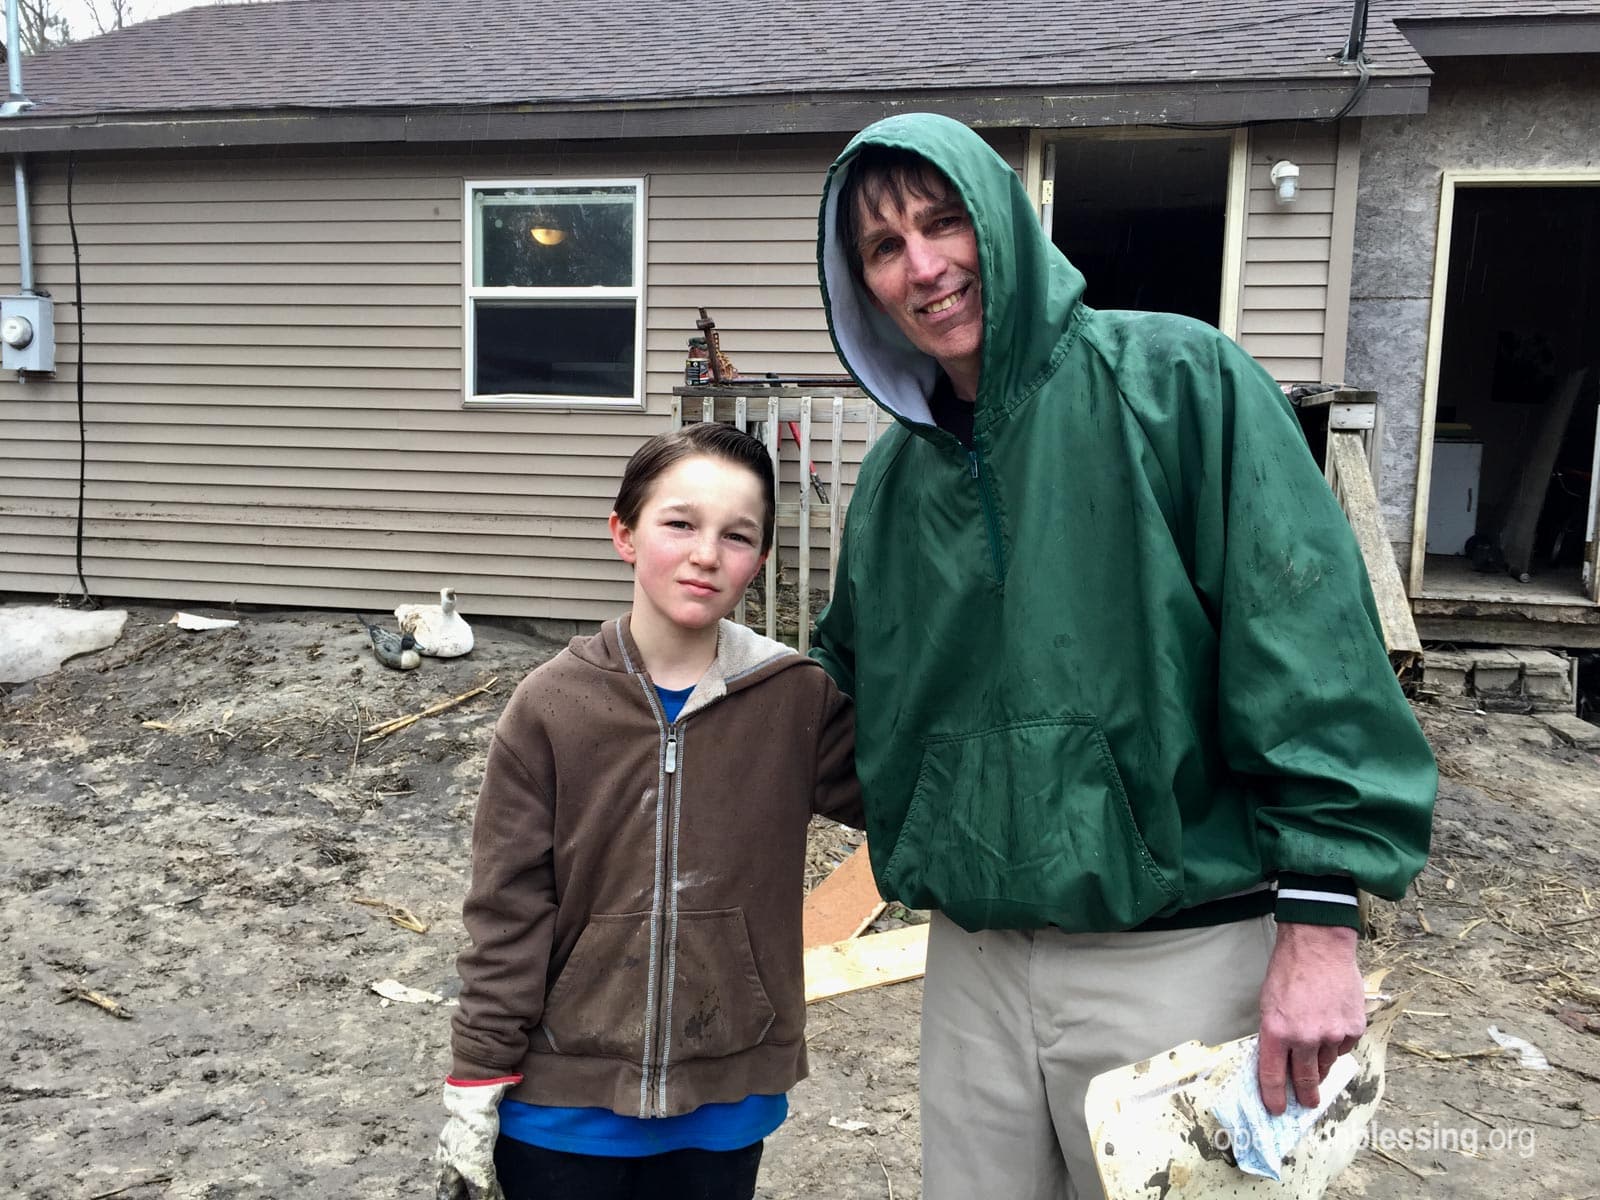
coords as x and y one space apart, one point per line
632 1004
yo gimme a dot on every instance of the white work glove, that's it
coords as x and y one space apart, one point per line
465 1156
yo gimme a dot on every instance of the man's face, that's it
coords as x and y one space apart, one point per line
920 264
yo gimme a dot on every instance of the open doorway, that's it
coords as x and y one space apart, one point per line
1511 485
1144 219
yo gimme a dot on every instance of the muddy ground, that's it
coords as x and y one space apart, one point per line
191 824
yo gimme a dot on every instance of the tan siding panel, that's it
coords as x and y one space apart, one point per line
586 498
1292 370
794 250
719 206
530 598
306 273
95 236
1286 297
802 273
1286 274
1288 225
1285 345
307 314
1288 249
1279 320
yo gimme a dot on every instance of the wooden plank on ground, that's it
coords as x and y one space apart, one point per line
843 904
866 962
1360 500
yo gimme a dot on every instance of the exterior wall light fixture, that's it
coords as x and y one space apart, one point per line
1286 178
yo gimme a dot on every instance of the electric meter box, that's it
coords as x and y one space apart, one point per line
27 333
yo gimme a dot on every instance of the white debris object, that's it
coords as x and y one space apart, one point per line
393 989
1528 1054
185 620
847 1126
35 639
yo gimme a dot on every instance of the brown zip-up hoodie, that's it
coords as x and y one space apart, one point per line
636 886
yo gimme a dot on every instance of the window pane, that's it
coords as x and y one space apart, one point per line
559 349
554 237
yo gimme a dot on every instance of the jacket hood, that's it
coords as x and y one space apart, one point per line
1031 293
743 658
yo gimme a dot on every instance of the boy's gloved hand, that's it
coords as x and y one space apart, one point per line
465 1156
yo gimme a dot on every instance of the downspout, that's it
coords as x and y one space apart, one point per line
17 103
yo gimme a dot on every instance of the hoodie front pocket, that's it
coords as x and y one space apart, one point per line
1026 825
598 1004
718 1004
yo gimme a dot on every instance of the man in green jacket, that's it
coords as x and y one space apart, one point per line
1125 720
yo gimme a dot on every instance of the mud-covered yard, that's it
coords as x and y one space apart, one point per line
197 829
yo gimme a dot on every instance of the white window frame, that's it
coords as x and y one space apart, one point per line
471 294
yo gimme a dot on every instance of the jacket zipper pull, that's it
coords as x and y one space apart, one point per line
972 457
672 753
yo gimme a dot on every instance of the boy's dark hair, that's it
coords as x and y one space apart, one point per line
709 438
883 176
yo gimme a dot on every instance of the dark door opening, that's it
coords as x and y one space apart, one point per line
1514 430
1144 219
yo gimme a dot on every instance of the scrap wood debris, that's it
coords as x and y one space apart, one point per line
384 728
98 999
398 913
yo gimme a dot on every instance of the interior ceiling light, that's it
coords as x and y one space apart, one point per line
546 236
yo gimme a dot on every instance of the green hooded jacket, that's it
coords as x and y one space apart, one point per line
1121 659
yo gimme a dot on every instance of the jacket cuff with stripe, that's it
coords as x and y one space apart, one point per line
1317 900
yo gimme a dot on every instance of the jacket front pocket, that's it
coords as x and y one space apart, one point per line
598 1004
718 1004
1026 825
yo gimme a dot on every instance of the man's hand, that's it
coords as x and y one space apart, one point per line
465 1157
1313 1009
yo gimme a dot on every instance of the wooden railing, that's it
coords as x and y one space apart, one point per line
1352 484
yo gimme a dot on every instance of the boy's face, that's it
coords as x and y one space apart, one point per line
919 262
697 543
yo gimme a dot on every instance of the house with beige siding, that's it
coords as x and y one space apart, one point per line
357 298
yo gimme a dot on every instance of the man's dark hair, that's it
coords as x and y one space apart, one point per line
710 439
880 177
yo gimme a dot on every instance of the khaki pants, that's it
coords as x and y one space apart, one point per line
1015 1024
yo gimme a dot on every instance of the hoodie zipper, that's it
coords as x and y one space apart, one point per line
991 523
652 1072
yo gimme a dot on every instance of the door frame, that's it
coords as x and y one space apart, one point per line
1449 182
1039 179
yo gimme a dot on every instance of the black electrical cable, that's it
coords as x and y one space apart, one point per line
1352 54
86 600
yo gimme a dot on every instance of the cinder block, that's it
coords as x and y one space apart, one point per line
1542 663
1496 681
1547 687
1444 681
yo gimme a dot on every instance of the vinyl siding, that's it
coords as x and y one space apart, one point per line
1290 276
274 380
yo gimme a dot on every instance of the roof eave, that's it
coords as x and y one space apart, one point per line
1461 37
1226 103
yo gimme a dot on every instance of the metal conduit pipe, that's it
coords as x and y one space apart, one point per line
16 103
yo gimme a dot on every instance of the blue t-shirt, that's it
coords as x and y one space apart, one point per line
601 1131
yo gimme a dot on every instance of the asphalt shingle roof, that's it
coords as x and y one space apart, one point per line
385 54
